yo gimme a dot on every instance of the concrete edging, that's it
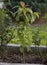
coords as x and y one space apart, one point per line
18 64
33 47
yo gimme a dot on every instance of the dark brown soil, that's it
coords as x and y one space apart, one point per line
16 57
40 21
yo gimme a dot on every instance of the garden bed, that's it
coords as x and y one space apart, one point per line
38 54
11 53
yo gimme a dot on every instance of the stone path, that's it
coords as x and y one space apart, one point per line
18 64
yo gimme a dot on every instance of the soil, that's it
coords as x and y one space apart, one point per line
29 57
40 21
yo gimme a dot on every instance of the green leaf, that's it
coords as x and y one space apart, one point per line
37 14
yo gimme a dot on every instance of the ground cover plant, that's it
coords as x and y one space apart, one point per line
42 34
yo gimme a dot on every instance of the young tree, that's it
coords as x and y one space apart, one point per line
22 16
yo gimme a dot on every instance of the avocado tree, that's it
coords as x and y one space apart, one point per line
22 17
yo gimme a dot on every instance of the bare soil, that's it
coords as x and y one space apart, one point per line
29 57
40 21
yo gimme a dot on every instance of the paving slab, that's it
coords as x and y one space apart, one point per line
18 64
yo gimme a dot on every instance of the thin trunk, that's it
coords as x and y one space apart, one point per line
23 57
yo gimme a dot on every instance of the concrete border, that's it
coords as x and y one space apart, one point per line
18 64
33 47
